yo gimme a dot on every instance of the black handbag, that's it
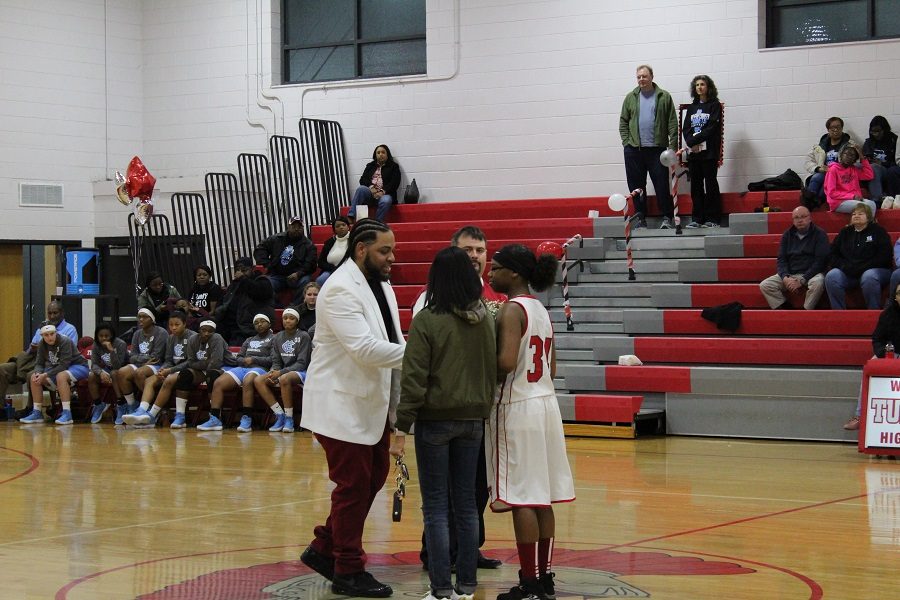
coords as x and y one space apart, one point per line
411 195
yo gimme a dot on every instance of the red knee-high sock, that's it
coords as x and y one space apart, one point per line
545 555
528 557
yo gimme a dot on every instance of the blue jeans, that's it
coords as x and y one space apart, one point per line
639 162
323 277
885 183
871 282
816 184
447 455
363 195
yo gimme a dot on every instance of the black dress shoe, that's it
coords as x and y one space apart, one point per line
488 563
318 562
361 585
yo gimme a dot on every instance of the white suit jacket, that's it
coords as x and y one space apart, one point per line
353 375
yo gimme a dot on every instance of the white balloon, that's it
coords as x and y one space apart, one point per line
617 202
668 158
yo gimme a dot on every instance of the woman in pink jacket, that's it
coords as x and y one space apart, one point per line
842 181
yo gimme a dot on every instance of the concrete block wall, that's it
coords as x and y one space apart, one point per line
521 99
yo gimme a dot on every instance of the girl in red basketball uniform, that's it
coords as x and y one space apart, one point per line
527 466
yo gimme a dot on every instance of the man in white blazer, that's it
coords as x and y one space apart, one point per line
351 385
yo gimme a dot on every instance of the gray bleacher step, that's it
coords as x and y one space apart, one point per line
698 270
622 275
598 315
575 340
615 227
670 295
560 327
759 416
574 355
664 243
658 253
749 223
618 266
595 302
742 381
726 246
642 321
624 289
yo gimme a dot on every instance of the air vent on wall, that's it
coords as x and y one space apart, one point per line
40 194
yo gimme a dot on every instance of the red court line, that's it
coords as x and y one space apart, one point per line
35 463
736 522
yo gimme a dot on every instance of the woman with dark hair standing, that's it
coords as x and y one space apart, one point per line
334 249
446 388
379 182
702 130
525 447
881 150
155 296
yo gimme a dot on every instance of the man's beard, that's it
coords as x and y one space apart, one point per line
373 272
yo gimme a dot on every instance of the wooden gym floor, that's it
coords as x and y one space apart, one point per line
107 513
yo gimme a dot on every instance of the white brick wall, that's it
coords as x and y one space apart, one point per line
70 75
529 109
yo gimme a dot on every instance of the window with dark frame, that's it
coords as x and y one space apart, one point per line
811 22
330 40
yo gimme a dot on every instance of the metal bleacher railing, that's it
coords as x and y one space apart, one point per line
306 177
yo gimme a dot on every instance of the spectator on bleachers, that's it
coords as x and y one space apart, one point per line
18 368
802 255
471 239
334 249
289 258
148 351
842 189
58 366
175 360
154 297
253 360
447 389
290 357
703 134
822 155
378 183
205 294
248 294
887 330
895 276
881 150
108 354
204 355
860 257
648 125
307 310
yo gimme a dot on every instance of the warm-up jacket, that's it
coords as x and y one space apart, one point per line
290 352
55 359
147 346
103 360
449 367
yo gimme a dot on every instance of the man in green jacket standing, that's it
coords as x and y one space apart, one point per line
648 126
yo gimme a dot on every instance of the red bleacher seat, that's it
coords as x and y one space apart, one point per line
776 322
753 350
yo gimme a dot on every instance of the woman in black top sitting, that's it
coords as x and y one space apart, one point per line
334 249
206 294
379 182
307 310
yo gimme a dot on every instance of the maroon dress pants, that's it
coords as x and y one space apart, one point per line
358 472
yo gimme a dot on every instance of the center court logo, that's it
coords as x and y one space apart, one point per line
580 575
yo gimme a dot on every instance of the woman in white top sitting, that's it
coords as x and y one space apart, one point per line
334 249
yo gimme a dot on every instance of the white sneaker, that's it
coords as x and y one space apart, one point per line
458 596
888 202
